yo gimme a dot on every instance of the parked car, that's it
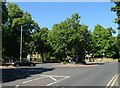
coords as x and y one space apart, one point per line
23 63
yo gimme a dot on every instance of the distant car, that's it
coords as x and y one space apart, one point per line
23 63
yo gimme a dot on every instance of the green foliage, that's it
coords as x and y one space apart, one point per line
4 13
116 9
11 31
69 38
118 42
104 42
67 58
64 62
40 41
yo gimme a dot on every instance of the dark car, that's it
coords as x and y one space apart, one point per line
23 63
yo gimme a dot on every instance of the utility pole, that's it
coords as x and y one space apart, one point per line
21 45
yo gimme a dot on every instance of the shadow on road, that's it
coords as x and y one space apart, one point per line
21 73
95 63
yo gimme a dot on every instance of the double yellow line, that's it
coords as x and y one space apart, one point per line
112 81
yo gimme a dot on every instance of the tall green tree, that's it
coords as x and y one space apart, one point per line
69 38
104 42
4 13
116 9
11 32
40 43
3 19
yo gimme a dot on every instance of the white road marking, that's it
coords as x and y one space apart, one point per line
112 81
34 79
53 75
50 76
57 81
28 81
16 86
53 78
38 78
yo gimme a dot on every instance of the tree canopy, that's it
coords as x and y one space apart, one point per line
116 9
40 43
11 31
104 42
69 38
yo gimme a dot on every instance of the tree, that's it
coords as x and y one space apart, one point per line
69 38
117 44
116 9
3 20
4 13
104 42
40 41
11 32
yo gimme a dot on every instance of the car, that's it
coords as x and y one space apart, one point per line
23 63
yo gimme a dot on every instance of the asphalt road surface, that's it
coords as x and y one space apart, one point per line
48 75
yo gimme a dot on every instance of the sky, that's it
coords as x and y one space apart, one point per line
92 13
59 0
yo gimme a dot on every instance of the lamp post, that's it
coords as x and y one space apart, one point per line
21 45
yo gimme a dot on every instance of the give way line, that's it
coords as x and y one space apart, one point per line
112 81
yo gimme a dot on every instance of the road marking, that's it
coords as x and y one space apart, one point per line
34 79
53 75
16 86
53 78
50 76
57 81
38 78
112 81
28 81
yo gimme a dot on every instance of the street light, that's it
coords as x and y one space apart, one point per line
21 45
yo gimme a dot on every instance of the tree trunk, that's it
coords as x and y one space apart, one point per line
42 57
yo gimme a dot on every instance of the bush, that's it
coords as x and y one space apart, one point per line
67 59
65 62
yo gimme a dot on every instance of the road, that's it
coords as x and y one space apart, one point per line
48 75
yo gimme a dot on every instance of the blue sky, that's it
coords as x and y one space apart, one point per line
48 13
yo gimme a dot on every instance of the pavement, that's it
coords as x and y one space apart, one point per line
56 75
